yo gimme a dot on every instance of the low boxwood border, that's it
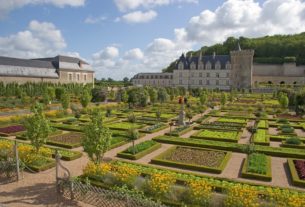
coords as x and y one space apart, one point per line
140 154
302 146
266 127
229 146
64 145
265 143
160 161
294 174
190 128
256 176
278 138
155 130
195 136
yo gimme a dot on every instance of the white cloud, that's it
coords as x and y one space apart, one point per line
139 16
7 6
246 18
135 53
94 20
40 39
125 5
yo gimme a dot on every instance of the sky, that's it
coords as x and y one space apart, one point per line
120 38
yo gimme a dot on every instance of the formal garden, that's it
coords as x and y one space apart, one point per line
173 146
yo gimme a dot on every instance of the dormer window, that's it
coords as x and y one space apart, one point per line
193 66
180 66
208 66
228 65
80 64
217 65
200 66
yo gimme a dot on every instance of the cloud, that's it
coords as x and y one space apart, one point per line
125 5
246 18
135 54
139 16
40 39
94 20
6 6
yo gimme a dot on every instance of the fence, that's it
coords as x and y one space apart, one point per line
10 166
76 190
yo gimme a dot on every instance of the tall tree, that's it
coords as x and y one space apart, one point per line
85 98
97 138
37 127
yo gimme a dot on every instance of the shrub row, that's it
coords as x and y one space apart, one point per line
140 154
294 174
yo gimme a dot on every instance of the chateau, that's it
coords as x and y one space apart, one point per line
59 69
224 72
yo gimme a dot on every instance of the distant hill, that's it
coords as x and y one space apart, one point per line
275 49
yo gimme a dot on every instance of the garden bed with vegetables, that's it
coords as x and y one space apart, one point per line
257 166
154 128
261 137
263 124
297 171
218 126
140 150
67 140
124 125
233 120
178 131
228 136
198 159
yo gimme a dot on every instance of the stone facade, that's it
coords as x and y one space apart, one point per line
60 69
224 72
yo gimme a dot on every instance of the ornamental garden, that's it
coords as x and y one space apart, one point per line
234 148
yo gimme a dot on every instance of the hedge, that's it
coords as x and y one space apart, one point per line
294 175
140 154
229 146
164 126
261 132
68 127
284 144
177 134
256 176
203 118
224 139
160 161
50 163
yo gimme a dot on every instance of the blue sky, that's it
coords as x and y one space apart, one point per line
123 37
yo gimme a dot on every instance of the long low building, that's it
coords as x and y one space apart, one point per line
59 69
236 70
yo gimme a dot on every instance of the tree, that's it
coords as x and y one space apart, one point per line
51 93
58 93
162 95
133 135
158 115
45 97
124 96
37 127
284 101
65 100
85 98
223 99
153 95
97 139
203 98
189 115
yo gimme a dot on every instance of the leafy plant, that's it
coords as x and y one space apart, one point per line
133 135
294 141
257 163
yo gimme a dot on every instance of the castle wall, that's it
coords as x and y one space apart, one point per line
287 69
22 80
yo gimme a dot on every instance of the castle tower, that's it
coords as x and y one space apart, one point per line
241 68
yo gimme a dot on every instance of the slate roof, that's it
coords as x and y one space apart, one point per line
25 62
223 59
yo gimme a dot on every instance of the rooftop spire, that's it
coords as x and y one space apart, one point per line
238 46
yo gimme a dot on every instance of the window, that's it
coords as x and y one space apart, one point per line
200 82
193 66
180 75
85 77
208 82
180 66
208 75
192 74
200 75
228 74
78 77
217 75
208 66
217 82
70 76
227 82
217 65
180 82
200 66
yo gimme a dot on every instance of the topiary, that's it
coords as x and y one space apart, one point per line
293 140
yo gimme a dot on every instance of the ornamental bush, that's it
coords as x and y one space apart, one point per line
293 140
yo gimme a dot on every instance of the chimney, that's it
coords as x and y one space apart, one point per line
214 55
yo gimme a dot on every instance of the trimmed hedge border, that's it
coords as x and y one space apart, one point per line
302 146
229 146
294 175
256 176
75 155
265 143
175 134
278 138
154 130
195 136
67 127
140 154
160 161
203 118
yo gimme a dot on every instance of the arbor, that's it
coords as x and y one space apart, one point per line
37 127
133 135
85 98
97 139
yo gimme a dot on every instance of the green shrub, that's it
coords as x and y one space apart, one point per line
141 147
293 140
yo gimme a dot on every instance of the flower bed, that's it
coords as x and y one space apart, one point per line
261 137
229 136
205 160
68 140
154 128
257 166
233 120
180 130
141 150
235 147
10 130
297 171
